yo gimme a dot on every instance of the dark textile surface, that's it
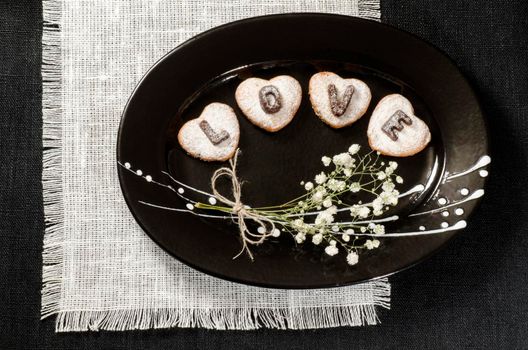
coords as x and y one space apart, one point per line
471 295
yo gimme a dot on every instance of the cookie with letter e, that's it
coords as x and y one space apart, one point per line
269 104
338 102
394 130
213 136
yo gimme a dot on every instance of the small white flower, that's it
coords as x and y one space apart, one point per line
326 160
381 175
331 249
363 229
352 258
354 149
377 204
298 224
348 172
387 186
354 210
324 218
355 187
327 203
308 186
337 185
189 206
364 212
343 159
349 231
276 232
300 237
302 183
317 238
318 196
375 243
370 244
379 229
335 228
377 212
393 165
399 179
389 170
345 237
321 178
332 210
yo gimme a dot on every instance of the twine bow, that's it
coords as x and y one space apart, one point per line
242 212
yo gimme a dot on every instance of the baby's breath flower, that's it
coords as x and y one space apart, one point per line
363 229
349 231
377 212
369 244
379 229
327 203
387 186
336 185
324 218
364 212
354 210
332 210
308 186
298 223
381 175
389 170
399 179
343 159
335 228
331 250
352 258
318 196
317 238
300 237
346 237
347 172
355 187
393 165
326 160
354 149
377 204
321 178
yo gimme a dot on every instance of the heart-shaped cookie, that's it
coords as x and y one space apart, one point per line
269 104
394 130
338 102
213 135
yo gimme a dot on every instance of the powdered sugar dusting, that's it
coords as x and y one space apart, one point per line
321 102
247 97
195 142
411 140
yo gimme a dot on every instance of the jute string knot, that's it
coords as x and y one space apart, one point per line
243 213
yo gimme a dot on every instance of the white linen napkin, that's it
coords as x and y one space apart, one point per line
100 271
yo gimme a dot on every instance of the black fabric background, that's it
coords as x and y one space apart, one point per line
472 295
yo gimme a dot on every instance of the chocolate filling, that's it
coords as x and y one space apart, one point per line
394 123
270 99
213 136
339 106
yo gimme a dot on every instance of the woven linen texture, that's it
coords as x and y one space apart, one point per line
100 270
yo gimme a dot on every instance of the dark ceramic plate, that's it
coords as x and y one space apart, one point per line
207 68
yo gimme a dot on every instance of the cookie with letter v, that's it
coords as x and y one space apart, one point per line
213 136
338 102
394 130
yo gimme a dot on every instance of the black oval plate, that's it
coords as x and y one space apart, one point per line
208 68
